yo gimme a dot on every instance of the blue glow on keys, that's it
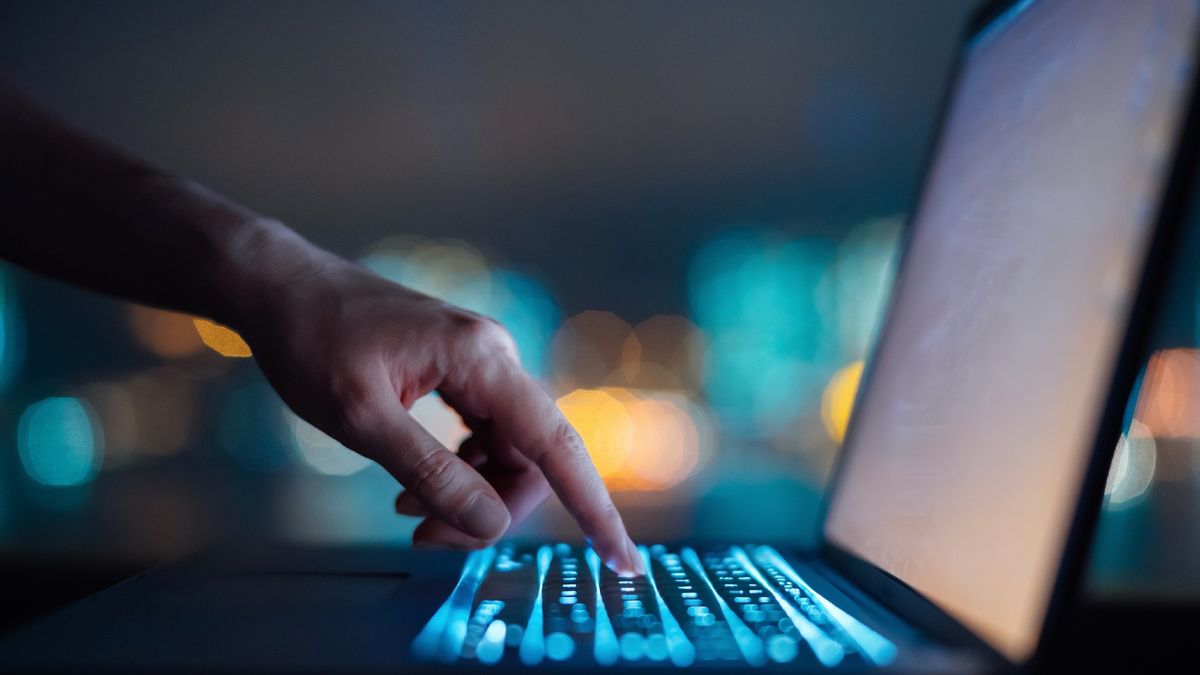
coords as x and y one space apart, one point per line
607 650
442 638
826 649
533 644
750 644
873 646
679 648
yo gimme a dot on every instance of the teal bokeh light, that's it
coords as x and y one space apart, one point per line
59 443
460 276
524 306
764 303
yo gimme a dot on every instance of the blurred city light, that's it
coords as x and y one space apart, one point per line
450 270
1132 470
318 451
167 334
439 420
838 400
1168 403
524 307
760 298
665 352
457 273
164 408
59 443
117 412
221 339
640 440
603 424
590 348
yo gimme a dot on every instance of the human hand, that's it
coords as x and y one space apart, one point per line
351 352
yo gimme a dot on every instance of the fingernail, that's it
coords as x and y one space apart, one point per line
485 517
633 565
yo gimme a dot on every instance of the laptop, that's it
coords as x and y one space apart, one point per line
956 526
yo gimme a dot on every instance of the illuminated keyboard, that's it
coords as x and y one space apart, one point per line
531 605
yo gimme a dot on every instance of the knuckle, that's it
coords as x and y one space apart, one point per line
483 334
563 439
433 474
352 401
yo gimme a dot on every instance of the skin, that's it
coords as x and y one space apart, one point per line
347 350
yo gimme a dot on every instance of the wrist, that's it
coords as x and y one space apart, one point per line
262 261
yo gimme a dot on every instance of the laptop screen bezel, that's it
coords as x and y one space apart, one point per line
905 601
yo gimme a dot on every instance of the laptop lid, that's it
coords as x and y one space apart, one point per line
974 453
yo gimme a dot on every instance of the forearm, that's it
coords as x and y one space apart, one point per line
79 210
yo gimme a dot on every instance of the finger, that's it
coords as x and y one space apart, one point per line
522 494
473 451
434 532
407 504
444 484
524 416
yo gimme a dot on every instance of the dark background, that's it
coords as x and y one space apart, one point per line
618 156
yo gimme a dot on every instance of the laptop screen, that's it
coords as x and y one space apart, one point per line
972 438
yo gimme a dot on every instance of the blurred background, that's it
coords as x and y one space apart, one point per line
687 214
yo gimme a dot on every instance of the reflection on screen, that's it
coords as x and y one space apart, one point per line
973 435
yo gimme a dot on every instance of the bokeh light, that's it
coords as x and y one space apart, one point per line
524 306
761 300
457 273
603 424
432 413
838 400
1132 470
664 352
589 349
221 339
167 334
149 414
447 269
12 331
1168 402
59 443
318 451
116 409
640 440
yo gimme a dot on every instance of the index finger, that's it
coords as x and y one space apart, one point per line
525 415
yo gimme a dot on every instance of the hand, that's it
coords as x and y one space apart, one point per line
351 352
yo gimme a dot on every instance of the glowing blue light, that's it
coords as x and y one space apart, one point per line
876 648
605 645
559 646
491 647
633 646
782 648
533 644
748 642
57 442
442 638
678 646
826 649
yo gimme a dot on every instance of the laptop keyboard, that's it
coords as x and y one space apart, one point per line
558 604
